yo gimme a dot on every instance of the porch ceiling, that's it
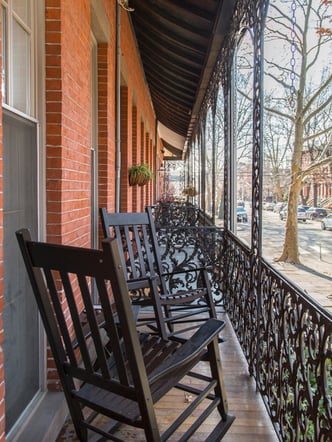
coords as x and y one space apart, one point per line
179 42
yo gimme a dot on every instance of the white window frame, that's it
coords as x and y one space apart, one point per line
7 52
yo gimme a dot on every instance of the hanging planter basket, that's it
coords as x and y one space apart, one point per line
190 191
139 175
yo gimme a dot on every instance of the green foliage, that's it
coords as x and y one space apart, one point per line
139 174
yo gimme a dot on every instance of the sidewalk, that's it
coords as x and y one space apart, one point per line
314 275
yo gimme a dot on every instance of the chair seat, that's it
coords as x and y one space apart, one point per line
166 363
183 297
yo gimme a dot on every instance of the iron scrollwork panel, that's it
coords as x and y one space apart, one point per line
287 340
295 374
185 248
240 300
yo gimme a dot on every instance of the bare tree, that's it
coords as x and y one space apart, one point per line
209 158
244 98
277 152
217 157
304 95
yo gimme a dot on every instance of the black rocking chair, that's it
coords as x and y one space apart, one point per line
118 380
183 307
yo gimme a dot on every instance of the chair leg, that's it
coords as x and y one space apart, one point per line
168 315
82 432
216 371
221 429
158 308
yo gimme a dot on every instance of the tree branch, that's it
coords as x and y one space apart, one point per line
317 134
313 166
317 110
279 113
317 93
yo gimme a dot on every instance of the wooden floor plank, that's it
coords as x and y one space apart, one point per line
252 423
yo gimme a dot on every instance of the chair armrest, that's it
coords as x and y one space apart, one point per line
193 269
140 283
190 350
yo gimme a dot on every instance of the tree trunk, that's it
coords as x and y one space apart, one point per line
278 187
315 204
290 252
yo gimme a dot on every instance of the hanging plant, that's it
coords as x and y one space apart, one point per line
139 174
190 191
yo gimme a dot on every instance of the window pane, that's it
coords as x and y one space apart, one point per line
209 160
21 68
195 181
22 9
244 137
220 156
297 178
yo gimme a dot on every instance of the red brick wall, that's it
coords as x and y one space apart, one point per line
68 121
147 156
107 115
136 87
68 127
126 150
142 160
135 160
106 142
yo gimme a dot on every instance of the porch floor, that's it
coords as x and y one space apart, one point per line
252 423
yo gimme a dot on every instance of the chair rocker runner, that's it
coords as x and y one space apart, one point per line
182 310
120 382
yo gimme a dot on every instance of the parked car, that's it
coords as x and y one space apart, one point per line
241 215
326 223
316 213
279 206
301 214
268 206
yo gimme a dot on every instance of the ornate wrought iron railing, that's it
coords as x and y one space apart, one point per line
287 339
187 241
176 214
191 247
285 336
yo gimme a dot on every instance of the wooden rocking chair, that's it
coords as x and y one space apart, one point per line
184 308
119 383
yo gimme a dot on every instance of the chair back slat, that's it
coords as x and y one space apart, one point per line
135 242
80 340
154 236
94 328
57 305
137 239
112 329
148 245
135 267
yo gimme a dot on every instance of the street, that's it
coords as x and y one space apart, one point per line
314 274
312 239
